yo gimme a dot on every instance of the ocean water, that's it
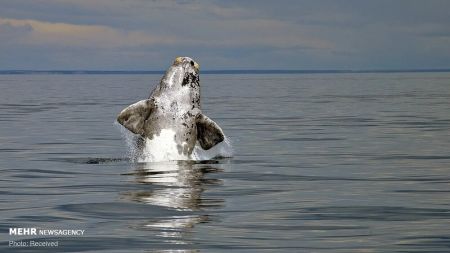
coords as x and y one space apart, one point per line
322 163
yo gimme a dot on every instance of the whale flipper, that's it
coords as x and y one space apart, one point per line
134 116
209 132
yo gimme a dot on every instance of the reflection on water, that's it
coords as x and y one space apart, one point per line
182 184
177 185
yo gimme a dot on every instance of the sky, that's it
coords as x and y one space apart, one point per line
234 35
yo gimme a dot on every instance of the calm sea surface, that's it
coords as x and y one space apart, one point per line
322 163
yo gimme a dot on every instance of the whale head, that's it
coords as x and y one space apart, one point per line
184 71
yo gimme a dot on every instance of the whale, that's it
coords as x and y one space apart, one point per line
172 113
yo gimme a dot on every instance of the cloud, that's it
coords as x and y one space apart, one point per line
252 32
296 34
33 32
10 34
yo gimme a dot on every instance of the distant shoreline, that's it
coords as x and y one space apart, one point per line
235 72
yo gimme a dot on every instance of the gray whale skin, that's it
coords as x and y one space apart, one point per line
174 104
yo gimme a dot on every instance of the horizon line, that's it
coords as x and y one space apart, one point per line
225 71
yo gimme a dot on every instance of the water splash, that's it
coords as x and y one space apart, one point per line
163 148
131 141
223 149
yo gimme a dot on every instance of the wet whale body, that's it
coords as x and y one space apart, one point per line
171 120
